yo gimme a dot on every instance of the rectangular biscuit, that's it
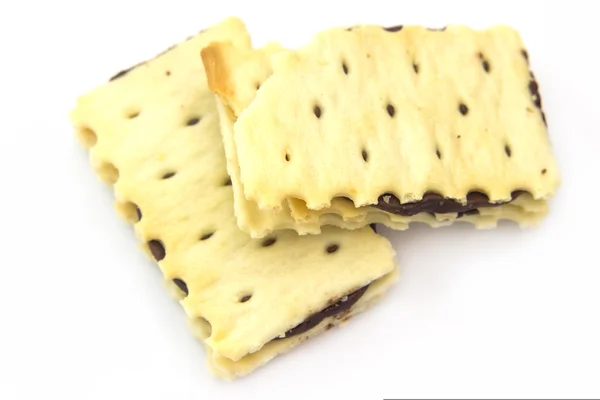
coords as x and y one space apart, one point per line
365 112
239 74
153 134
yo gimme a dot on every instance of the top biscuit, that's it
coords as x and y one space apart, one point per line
369 111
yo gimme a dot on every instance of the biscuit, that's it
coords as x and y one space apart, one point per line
414 114
153 134
242 79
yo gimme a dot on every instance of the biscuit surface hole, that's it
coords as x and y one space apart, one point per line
365 155
133 114
463 109
192 121
168 73
270 241
391 110
181 285
287 157
484 63
168 175
206 236
486 66
438 154
157 249
507 150
245 298
535 94
227 182
345 68
332 248
394 28
416 68
317 111
544 171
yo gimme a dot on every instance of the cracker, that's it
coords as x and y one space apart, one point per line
155 137
236 74
367 113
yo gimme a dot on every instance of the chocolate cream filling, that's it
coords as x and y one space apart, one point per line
344 304
431 203
434 203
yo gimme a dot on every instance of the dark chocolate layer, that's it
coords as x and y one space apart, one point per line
341 305
437 204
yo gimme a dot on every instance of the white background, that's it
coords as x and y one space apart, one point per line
501 313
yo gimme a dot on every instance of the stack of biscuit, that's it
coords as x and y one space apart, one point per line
254 177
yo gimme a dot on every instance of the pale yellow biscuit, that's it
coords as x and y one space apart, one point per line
363 112
153 133
235 73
